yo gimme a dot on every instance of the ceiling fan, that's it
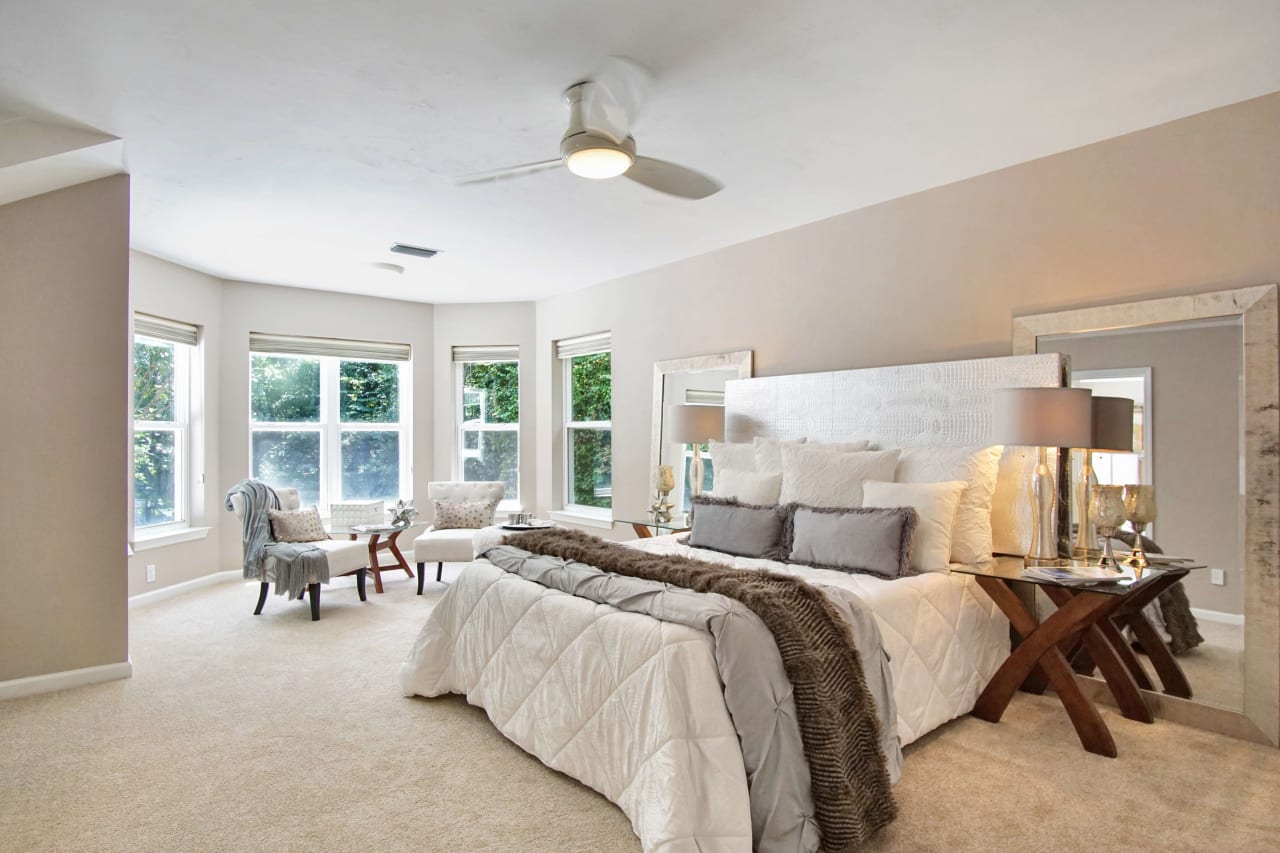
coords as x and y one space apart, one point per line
599 144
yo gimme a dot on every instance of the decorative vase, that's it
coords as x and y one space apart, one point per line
1140 509
662 506
1107 512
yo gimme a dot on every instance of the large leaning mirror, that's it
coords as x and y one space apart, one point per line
696 381
1202 374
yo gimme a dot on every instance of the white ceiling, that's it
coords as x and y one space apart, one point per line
292 141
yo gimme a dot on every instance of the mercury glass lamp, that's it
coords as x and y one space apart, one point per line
695 425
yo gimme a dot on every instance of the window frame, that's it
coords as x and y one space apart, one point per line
460 453
330 425
180 427
566 379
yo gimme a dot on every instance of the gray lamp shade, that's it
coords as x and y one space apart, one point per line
688 424
1112 424
1042 417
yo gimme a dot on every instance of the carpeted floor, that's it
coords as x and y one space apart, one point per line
276 733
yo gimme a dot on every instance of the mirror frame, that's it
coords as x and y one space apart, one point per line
1257 308
741 361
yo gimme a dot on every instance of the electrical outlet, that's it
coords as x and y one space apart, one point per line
151 573
1217 577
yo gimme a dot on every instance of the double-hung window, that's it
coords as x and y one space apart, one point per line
487 416
587 392
330 418
162 356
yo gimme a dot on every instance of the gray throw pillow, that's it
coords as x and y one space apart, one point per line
744 530
873 540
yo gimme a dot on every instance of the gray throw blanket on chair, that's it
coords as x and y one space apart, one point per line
294 564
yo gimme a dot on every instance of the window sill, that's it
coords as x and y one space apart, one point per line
603 520
148 540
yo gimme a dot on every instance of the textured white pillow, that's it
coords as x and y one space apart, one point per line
842 446
748 487
815 476
977 467
768 453
297 525
935 504
740 456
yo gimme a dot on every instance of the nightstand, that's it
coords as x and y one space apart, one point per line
650 528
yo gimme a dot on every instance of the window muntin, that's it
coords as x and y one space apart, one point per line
487 415
588 433
161 406
333 428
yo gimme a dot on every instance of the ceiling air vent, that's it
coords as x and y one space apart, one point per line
415 251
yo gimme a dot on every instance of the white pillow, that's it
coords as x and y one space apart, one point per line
977 467
842 446
748 487
768 453
815 476
738 456
935 504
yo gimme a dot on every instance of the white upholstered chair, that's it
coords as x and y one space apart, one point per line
345 558
452 546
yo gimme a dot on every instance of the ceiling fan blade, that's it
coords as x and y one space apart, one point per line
510 172
671 179
614 96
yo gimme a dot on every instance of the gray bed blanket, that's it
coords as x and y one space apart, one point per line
758 693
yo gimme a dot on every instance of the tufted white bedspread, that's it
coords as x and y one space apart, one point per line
633 707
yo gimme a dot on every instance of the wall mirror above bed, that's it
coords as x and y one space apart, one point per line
697 381
1202 372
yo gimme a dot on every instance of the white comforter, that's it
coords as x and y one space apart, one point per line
633 707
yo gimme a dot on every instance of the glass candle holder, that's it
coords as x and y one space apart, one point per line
1140 509
1107 511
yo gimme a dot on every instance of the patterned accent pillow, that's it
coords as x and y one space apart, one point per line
296 525
467 515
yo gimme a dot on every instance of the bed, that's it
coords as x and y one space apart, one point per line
635 706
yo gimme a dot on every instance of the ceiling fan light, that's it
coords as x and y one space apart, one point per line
598 163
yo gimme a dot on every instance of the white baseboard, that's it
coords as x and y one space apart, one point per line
1218 616
186 586
52 681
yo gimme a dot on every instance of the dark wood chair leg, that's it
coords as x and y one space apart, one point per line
360 575
421 577
262 599
314 590
439 571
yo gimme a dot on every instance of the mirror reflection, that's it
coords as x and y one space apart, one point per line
1186 384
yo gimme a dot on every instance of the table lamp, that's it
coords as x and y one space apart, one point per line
1112 429
1042 418
695 425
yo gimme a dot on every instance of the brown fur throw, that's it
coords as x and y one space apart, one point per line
835 711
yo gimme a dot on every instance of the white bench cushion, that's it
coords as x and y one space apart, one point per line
444 546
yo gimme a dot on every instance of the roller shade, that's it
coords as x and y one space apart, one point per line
262 342
584 345
162 328
493 353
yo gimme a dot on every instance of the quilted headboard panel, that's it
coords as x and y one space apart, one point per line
943 404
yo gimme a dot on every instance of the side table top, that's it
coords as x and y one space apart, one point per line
1013 569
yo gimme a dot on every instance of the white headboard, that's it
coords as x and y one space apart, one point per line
944 404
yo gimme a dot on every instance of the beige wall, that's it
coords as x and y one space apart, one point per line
64 336
294 311
168 290
1184 207
475 325
1196 442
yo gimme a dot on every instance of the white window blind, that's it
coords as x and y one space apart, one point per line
584 345
263 342
164 329
482 353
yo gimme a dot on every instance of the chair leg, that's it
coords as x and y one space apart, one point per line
421 578
301 594
439 571
262 599
360 583
314 590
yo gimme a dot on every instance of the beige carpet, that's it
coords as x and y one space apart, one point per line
277 733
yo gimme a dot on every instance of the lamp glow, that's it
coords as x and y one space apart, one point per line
598 163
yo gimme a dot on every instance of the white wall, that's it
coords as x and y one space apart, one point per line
169 290
475 325
294 311
1184 207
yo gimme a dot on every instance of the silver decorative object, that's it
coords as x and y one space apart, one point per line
1107 512
1140 509
403 513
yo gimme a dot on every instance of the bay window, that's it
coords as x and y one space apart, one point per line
588 450
487 417
162 359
